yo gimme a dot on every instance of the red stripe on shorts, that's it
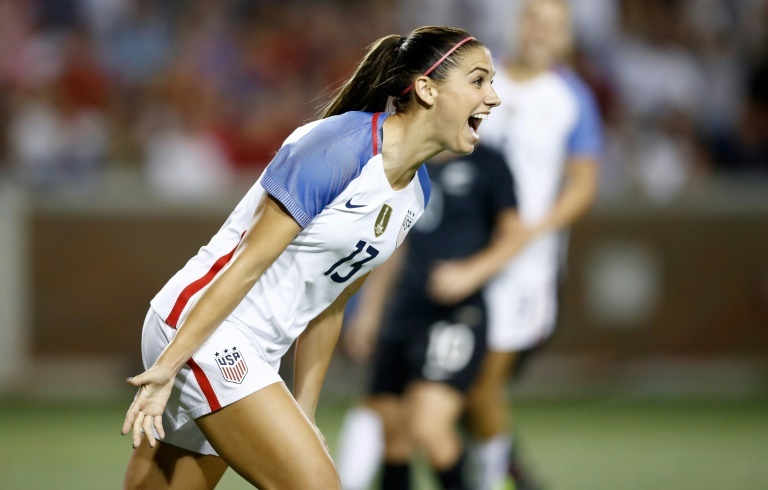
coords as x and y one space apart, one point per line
194 287
205 385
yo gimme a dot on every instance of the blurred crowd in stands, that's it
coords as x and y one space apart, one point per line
194 94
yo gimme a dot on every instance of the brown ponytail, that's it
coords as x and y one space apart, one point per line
391 65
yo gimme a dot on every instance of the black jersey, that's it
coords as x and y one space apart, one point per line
468 193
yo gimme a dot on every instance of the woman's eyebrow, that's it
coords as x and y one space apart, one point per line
481 69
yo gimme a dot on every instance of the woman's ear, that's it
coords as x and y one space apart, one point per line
426 90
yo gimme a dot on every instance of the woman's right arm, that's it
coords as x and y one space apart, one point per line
271 231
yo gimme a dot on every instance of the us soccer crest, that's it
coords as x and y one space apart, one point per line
232 365
410 217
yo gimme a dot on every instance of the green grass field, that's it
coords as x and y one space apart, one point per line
573 444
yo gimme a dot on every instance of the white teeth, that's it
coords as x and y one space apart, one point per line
481 117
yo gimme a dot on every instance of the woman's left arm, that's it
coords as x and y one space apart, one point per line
452 281
577 195
314 348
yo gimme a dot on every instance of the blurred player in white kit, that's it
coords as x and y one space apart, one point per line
549 131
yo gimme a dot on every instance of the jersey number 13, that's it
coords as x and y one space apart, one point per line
354 266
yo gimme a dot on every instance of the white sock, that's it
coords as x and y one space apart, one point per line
491 458
361 448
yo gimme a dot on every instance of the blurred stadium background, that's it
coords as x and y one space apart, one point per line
129 128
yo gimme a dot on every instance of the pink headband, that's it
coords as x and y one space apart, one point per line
432 68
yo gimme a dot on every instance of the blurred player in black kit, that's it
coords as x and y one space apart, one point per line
433 337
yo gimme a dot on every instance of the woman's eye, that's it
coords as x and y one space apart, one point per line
478 82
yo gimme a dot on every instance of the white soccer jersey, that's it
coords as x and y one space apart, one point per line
329 175
540 124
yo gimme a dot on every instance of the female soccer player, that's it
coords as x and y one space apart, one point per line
550 134
338 198
433 339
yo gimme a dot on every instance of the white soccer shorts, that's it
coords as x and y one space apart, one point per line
229 366
521 311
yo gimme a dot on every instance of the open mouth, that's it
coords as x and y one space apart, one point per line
474 123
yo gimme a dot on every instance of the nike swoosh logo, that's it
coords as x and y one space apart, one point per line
349 205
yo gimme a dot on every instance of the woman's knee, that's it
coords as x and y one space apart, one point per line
167 466
430 433
327 480
397 441
441 444
144 469
319 477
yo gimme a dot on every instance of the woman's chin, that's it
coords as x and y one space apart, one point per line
463 149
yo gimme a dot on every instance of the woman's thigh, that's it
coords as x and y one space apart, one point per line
269 441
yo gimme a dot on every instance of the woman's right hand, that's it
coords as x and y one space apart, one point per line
155 385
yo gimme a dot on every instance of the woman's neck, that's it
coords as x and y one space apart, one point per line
405 148
520 71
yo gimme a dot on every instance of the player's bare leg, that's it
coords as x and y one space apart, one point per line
398 443
170 467
267 439
390 408
434 410
487 405
487 399
488 418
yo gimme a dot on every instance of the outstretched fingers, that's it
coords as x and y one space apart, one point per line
136 435
141 422
158 422
146 428
130 416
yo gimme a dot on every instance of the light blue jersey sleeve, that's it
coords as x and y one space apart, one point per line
309 173
586 138
426 184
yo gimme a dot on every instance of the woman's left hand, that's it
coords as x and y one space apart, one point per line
155 385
